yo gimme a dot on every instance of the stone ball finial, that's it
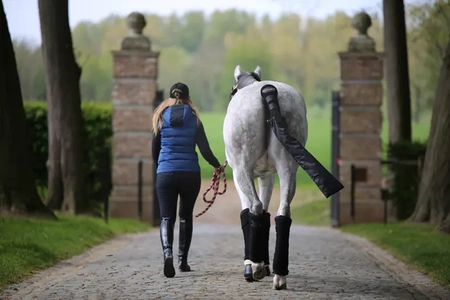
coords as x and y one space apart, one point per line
361 42
361 22
135 40
136 23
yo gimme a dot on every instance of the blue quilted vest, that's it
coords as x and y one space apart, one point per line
178 132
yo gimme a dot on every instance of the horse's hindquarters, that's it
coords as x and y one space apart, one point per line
244 132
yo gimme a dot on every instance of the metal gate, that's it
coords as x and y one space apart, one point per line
335 155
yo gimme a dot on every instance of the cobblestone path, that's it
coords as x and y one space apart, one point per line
324 264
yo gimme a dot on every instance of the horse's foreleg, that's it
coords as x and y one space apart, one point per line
266 184
283 223
251 221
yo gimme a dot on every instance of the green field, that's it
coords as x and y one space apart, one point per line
319 141
314 213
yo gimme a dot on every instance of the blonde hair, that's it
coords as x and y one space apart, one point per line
157 115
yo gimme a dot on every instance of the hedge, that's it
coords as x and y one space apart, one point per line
404 189
97 132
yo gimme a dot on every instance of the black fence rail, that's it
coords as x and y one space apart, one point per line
106 181
140 183
335 131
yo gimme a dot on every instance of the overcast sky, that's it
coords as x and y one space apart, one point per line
23 17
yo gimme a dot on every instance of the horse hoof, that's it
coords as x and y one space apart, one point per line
280 287
279 282
248 273
259 271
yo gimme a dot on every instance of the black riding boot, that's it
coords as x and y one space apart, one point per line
184 244
166 234
281 257
265 241
245 224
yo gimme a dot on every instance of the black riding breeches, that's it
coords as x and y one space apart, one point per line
170 185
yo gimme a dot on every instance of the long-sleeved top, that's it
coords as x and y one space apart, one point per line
173 148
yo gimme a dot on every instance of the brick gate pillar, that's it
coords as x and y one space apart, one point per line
361 72
135 68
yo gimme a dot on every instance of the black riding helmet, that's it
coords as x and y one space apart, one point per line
179 90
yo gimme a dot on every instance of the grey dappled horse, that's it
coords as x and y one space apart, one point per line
253 151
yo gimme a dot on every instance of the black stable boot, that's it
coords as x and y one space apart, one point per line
184 244
281 256
166 234
266 236
245 224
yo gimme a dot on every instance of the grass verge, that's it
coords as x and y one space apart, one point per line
29 245
416 244
316 212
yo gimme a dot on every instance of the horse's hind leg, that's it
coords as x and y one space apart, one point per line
266 184
251 221
283 221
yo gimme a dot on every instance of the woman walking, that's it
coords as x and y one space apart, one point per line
177 130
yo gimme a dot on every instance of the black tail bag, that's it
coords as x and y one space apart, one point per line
324 180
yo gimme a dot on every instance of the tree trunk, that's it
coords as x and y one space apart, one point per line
18 194
64 114
433 202
397 74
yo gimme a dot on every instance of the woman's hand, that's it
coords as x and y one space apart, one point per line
218 170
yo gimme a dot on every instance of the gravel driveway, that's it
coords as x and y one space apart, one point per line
324 264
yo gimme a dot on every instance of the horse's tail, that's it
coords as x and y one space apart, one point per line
269 93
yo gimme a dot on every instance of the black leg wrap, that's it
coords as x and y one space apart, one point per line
245 224
166 235
185 239
281 257
265 241
256 238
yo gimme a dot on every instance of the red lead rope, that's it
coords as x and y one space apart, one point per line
215 182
